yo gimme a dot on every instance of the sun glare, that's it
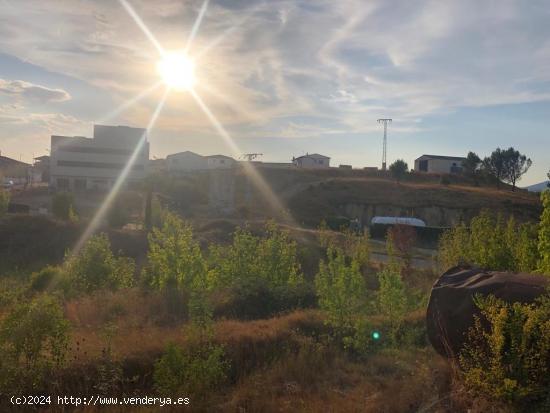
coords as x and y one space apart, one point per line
177 70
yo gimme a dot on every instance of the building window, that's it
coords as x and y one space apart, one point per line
79 184
99 165
423 166
62 183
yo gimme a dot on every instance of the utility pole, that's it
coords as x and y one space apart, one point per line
385 144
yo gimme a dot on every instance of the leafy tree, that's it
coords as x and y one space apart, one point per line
4 202
272 258
515 166
507 354
174 256
544 235
33 339
548 175
494 165
392 299
471 165
96 267
63 206
399 169
341 289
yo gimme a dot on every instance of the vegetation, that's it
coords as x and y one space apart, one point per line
33 340
510 360
270 317
4 202
471 166
399 169
507 165
95 267
63 206
490 242
544 235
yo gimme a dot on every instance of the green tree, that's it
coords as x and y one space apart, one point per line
544 235
471 165
399 169
174 256
494 165
548 176
515 166
340 289
63 206
4 202
96 267
392 299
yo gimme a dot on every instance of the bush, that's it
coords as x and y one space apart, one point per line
63 207
399 169
507 356
45 279
95 267
194 372
544 235
490 243
33 339
4 202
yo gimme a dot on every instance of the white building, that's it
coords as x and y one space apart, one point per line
220 162
186 161
79 163
313 160
439 164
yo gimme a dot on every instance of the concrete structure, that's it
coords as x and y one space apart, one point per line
439 164
79 163
186 161
414 222
313 161
220 162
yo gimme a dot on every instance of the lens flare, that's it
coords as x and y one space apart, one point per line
177 70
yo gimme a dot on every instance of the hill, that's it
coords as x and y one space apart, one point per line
541 186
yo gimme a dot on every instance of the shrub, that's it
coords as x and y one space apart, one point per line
507 355
45 279
33 339
4 202
63 206
95 267
445 180
544 235
194 372
490 243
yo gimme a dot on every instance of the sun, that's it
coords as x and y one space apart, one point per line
177 70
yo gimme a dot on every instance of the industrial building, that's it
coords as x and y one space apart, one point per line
79 163
439 164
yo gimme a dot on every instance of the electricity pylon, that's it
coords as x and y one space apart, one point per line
385 144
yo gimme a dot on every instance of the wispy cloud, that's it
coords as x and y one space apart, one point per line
30 91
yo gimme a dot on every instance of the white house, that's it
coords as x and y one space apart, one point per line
78 163
439 164
186 161
313 161
220 162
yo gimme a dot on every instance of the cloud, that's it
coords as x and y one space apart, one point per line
342 62
33 92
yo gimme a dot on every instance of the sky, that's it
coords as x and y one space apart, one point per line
284 77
